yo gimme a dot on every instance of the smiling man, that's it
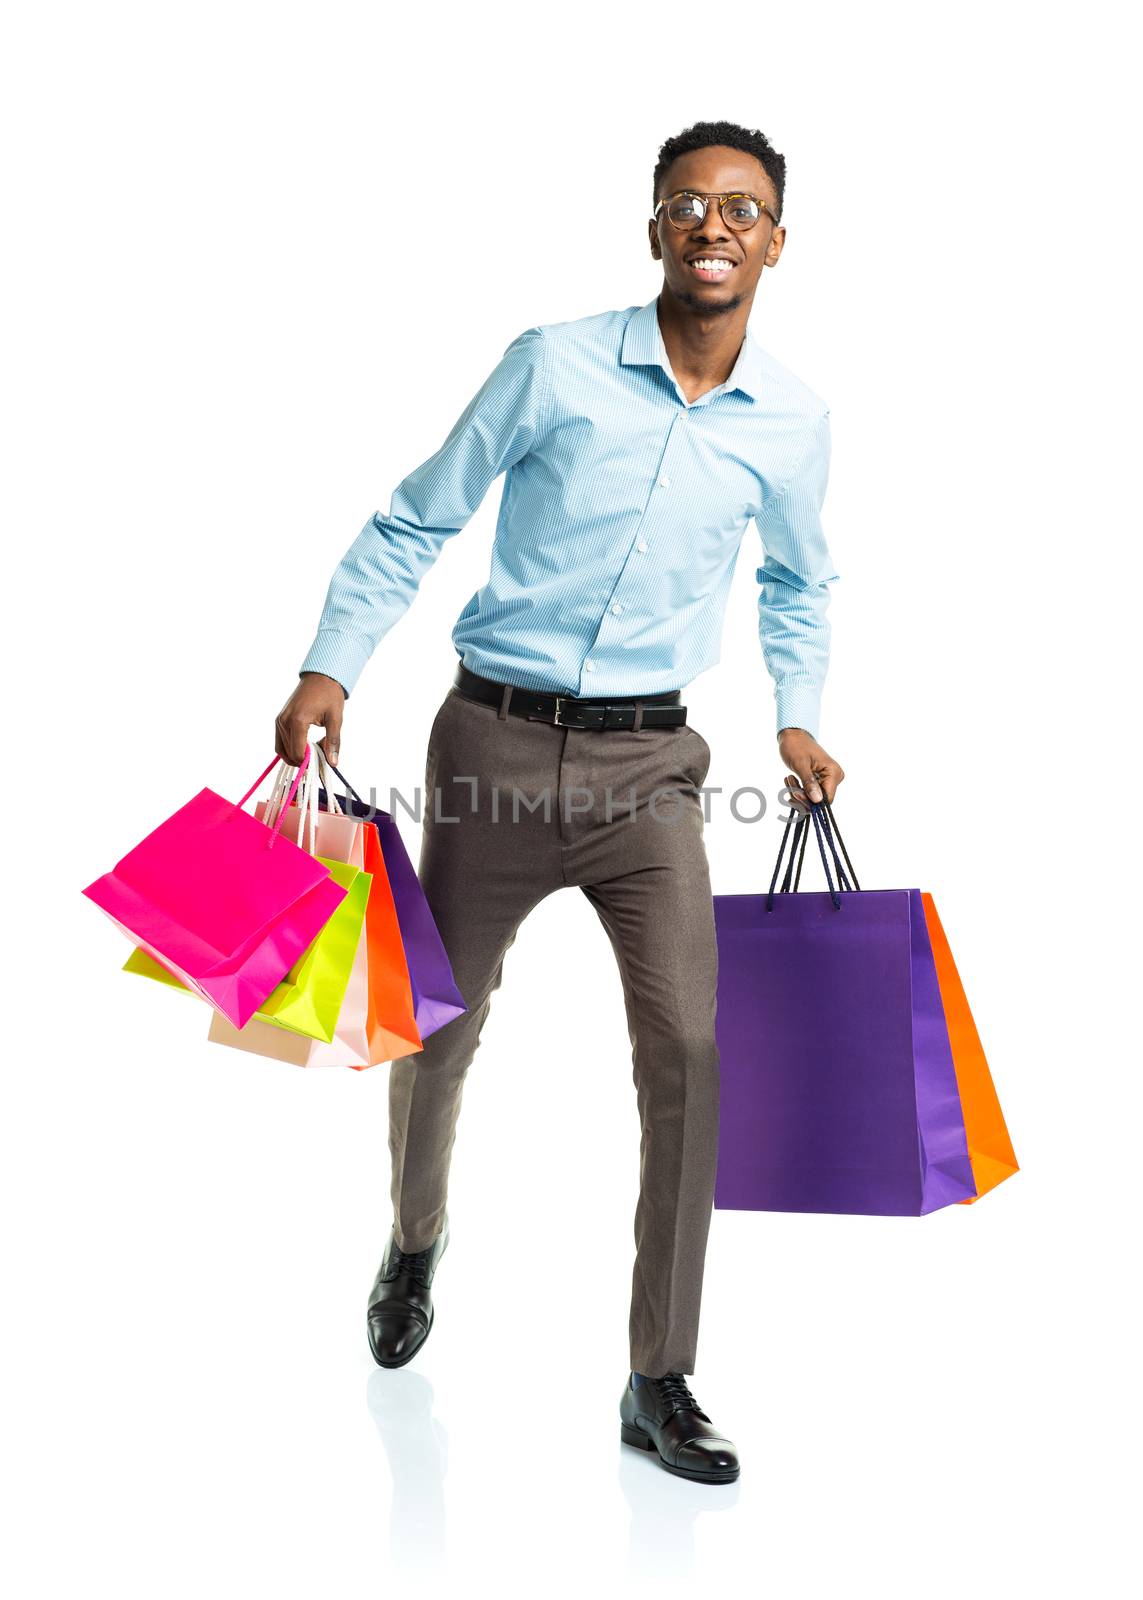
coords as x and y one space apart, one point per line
639 445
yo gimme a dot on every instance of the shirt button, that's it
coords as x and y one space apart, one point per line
664 483
589 666
642 545
616 608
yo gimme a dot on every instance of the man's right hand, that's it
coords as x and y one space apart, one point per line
317 701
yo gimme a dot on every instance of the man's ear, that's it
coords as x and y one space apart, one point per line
653 229
774 248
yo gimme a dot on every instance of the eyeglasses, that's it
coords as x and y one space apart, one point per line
739 211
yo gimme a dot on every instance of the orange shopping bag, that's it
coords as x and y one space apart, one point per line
989 1147
390 1024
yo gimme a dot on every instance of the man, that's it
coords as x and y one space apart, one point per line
638 445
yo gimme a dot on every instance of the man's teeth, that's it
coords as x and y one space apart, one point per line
713 266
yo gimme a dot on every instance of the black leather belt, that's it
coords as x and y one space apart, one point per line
566 711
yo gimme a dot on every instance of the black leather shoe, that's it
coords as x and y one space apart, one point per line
400 1312
662 1414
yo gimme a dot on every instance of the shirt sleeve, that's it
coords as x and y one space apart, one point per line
794 580
380 572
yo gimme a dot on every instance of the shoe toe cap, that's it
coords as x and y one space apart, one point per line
711 1455
394 1336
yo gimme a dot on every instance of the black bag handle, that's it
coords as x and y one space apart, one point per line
829 823
349 789
824 823
369 811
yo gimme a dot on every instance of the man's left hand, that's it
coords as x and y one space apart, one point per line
812 771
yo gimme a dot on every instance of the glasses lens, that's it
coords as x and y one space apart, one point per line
740 211
686 210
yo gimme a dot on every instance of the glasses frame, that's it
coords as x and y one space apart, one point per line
693 194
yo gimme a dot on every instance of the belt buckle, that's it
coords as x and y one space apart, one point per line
557 723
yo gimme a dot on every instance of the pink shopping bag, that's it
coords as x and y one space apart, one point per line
222 900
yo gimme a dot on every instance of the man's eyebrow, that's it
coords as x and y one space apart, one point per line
693 188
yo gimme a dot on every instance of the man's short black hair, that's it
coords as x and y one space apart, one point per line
701 134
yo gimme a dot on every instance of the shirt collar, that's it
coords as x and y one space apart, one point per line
643 347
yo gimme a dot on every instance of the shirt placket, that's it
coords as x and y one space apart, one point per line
654 526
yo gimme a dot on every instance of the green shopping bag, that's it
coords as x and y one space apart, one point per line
309 998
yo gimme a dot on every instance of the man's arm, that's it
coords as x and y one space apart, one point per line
794 596
377 578
381 571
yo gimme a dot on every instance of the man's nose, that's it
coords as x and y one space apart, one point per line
712 229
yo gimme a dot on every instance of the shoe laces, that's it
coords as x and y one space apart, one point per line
415 1263
675 1395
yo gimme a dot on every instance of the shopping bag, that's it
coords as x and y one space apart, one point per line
376 1022
436 998
147 967
989 1146
350 1047
390 1025
221 900
838 1087
391 1029
309 998
360 1039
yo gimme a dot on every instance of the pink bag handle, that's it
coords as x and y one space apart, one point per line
307 800
308 803
289 798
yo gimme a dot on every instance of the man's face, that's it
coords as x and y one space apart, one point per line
716 170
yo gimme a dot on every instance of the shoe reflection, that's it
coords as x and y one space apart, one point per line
401 1404
664 1510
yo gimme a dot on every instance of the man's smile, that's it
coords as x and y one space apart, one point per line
711 268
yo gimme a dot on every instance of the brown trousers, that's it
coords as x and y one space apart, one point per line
533 816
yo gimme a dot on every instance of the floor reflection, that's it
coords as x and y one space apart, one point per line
664 1512
416 1444
664 1509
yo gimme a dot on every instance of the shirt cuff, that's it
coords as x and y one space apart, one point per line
338 655
799 706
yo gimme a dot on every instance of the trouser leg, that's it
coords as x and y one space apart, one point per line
481 873
649 882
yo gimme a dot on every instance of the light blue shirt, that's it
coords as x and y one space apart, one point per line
620 522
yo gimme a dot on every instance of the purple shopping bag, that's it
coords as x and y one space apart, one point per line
436 998
838 1089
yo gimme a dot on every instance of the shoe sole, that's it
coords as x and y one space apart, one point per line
643 1441
391 1366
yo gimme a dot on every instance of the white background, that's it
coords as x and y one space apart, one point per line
258 259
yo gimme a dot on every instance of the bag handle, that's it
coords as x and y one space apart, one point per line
797 855
308 798
349 789
293 787
277 793
370 810
825 827
280 799
332 802
829 823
